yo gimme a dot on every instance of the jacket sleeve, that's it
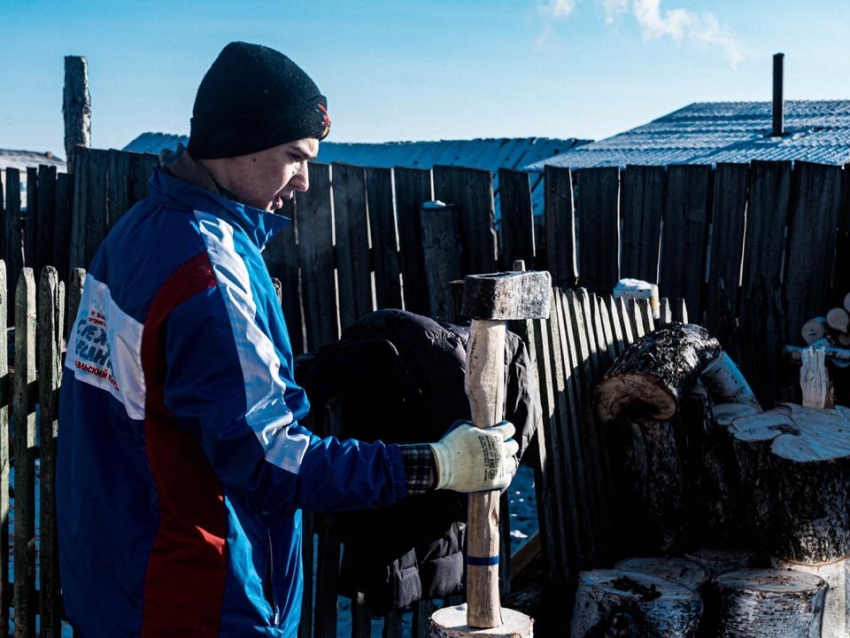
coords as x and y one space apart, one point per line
230 383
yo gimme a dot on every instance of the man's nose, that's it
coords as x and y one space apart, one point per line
301 179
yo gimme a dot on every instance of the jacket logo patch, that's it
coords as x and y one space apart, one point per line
91 351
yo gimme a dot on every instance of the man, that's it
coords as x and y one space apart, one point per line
183 468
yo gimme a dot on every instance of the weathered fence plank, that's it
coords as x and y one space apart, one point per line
517 219
684 241
413 188
316 255
641 206
62 228
13 254
729 216
384 231
597 203
30 221
770 192
46 228
442 256
97 214
354 270
26 607
51 300
559 214
810 262
471 191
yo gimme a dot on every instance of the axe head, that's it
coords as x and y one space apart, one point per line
507 296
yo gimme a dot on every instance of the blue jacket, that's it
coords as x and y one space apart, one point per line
182 468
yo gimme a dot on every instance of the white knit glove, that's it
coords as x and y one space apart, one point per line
471 459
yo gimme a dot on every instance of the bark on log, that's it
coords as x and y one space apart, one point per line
766 603
648 379
613 602
682 571
653 490
450 622
836 613
725 383
797 462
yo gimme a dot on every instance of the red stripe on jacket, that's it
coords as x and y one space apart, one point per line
187 568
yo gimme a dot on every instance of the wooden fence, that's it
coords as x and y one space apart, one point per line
751 251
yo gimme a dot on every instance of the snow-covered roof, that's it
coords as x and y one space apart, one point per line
488 154
711 132
22 160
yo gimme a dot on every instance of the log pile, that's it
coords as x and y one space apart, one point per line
703 463
834 326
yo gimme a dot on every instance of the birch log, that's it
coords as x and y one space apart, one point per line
766 603
613 602
836 613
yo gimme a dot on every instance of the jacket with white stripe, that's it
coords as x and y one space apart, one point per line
182 467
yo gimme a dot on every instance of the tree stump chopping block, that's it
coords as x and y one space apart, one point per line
796 461
615 602
450 622
766 603
647 380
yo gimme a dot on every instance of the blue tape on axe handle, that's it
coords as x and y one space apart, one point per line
482 561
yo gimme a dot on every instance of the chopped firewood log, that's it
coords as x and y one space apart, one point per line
615 602
836 613
846 303
648 379
838 319
796 463
814 329
814 379
766 603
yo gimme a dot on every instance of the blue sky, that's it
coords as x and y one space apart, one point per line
398 70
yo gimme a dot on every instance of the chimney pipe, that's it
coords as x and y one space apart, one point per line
778 127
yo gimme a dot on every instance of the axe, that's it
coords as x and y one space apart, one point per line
489 301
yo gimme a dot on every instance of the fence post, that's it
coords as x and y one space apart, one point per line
51 293
5 597
76 106
25 453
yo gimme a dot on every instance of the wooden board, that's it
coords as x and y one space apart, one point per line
596 202
516 225
641 204
561 240
384 234
412 188
684 242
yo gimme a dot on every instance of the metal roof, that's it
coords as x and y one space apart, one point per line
712 132
22 160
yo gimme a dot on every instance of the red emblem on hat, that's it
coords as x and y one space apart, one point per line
326 120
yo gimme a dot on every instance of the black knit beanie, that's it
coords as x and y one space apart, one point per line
253 98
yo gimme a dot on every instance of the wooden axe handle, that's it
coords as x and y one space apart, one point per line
485 387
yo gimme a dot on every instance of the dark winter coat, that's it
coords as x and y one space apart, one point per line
399 377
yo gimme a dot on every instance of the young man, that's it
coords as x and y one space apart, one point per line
183 468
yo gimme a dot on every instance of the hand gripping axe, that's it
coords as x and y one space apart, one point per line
489 301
